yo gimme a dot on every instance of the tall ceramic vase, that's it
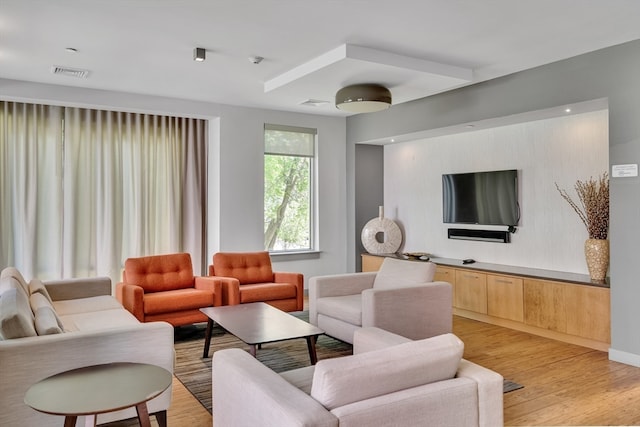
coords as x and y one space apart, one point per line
596 252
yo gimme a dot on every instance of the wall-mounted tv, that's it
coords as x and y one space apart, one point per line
485 198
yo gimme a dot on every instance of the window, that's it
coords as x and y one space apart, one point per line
289 159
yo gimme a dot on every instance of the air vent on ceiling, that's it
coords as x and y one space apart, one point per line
314 103
71 72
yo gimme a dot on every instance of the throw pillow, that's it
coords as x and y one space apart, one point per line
16 317
14 273
395 273
46 322
341 381
38 301
11 278
36 286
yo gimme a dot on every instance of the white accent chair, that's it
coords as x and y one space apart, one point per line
401 298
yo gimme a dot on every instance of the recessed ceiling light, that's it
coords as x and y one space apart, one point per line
567 110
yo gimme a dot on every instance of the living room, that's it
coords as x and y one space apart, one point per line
607 77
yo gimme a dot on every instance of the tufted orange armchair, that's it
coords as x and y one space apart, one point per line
248 277
163 287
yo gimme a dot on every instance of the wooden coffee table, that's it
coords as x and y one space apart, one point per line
258 323
99 389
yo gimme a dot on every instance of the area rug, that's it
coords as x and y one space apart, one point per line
195 372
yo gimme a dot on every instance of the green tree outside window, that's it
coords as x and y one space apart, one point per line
288 184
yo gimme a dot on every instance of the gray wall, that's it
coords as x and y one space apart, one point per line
369 194
611 73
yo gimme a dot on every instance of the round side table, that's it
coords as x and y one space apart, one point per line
99 389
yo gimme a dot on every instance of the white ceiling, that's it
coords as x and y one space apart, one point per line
415 47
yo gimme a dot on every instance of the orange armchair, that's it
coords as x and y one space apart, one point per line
163 288
248 277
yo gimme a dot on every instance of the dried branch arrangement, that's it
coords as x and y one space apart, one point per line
593 208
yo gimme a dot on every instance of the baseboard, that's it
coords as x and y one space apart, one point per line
624 357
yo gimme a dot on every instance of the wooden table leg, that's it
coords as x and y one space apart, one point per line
207 338
70 421
311 345
161 418
143 414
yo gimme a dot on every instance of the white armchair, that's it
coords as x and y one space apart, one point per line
419 383
400 298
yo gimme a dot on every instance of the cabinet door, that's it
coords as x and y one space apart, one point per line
371 263
544 305
505 297
590 312
471 291
445 274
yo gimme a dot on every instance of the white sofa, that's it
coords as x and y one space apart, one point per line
389 381
81 325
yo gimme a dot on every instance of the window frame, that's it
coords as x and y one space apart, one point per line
313 185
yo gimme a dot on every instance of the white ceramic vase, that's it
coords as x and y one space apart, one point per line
381 235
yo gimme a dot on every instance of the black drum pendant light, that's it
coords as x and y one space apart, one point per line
363 98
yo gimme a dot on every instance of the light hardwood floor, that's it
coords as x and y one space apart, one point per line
564 384
185 409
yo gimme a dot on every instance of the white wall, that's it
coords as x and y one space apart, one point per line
550 234
235 167
242 182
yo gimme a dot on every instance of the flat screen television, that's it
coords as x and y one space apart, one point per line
484 198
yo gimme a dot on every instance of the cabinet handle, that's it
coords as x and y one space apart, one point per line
504 281
472 276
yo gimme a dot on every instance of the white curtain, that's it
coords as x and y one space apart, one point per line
30 181
132 185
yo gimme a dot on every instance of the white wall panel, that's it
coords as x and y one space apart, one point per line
550 234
